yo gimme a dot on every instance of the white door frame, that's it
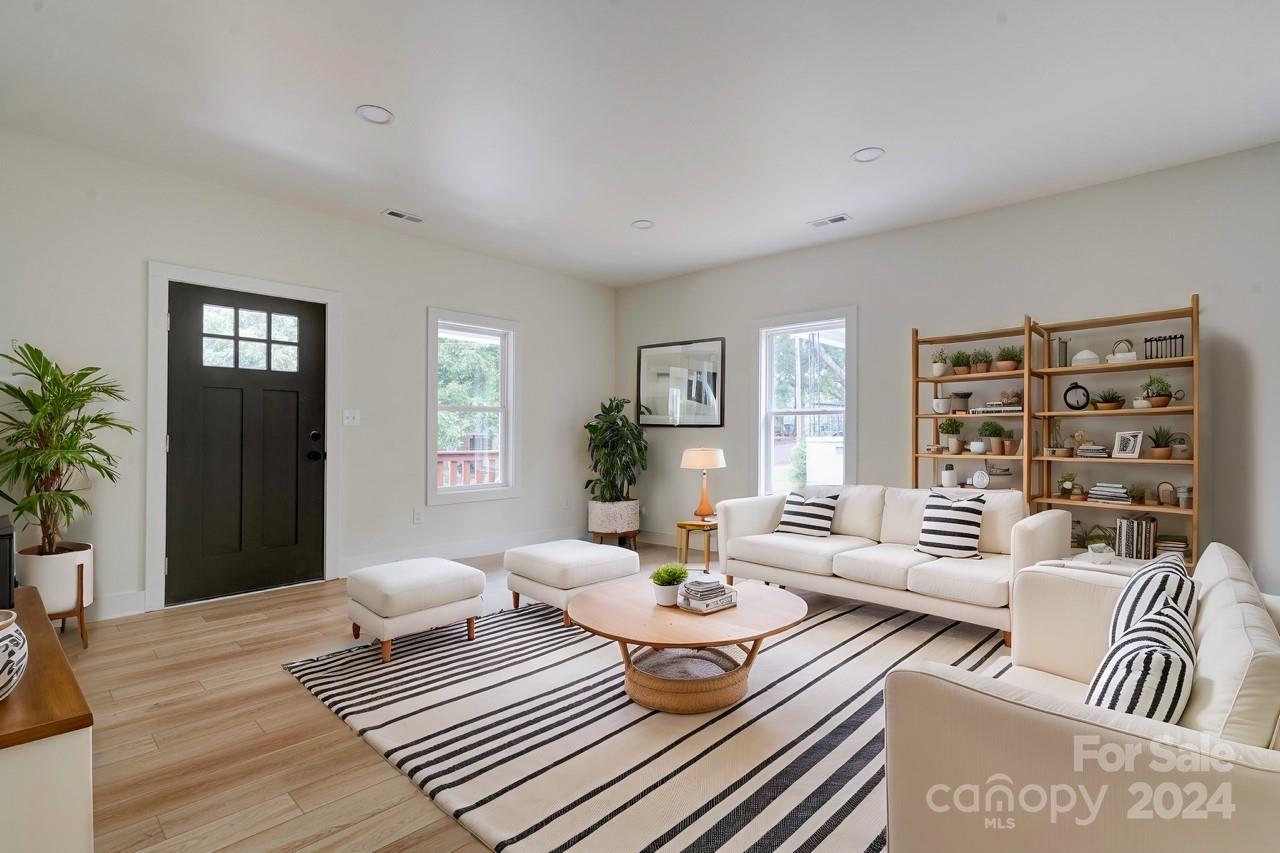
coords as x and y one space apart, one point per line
158 277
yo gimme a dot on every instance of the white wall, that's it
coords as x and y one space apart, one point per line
1143 243
76 231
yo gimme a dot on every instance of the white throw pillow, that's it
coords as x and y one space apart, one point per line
951 528
810 517
1148 670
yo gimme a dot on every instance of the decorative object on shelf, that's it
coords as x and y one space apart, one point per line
1138 495
1158 394
1181 443
618 452
1056 446
1165 346
1066 483
950 432
1184 497
1109 493
949 476
1060 348
1085 357
1011 397
1109 400
1008 358
1099 535
702 458
1128 445
960 401
981 479
993 431
1119 355
13 653
1093 451
977 447
1076 397
980 360
1012 446
939 362
1161 442
942 405
1167 493
960 362
666 582
1140 403
681 384
51 443
1077 493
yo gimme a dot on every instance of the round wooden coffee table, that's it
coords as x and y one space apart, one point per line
684 662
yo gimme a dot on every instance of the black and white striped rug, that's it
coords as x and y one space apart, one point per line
526 737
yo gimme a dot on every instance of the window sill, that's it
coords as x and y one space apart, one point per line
469 495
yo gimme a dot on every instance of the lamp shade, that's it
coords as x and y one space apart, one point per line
702 457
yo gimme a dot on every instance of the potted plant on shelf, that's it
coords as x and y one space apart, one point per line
1156 392
1138 494
666 582
1066 484
1008 358
993 431
950 431
980 360
939 362
49 446
1161 442
1108 400
960 362
619 452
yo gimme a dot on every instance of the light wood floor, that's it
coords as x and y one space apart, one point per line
202 742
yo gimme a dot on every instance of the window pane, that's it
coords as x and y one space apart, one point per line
808 369
253 324
468 368
219 320
284 327
467 448
253 355
218 352
807 450
284 358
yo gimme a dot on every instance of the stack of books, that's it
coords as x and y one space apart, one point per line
1109 493
706 596
1136 538
1170 544
1093 451
996 408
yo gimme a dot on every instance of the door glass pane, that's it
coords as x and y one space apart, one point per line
284 358
807 450
808 369
253 324
253 355
219 320
218 352
468 450
284 327
468 367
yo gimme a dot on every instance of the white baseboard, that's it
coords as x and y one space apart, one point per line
453 550
116 604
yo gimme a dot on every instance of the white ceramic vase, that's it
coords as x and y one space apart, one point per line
939 368
942 405
666 595
13 653
54 575
613 517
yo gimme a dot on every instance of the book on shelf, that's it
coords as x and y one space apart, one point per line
995 409
1136 538
720 602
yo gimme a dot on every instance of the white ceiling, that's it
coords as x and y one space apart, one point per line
539 129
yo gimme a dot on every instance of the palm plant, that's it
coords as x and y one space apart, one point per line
618 451
48 439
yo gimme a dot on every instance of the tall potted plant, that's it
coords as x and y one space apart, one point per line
618 452
48 441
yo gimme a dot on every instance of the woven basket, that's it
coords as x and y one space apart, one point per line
685 695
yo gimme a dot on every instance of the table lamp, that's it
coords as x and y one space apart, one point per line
704 458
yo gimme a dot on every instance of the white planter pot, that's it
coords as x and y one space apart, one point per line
666 595
942 405
13 652
939 368
953 443
55 575
615 517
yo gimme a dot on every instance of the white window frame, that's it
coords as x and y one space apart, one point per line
509 439
770 327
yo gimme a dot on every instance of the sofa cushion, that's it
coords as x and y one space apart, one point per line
859 511
807 516
792 551
408 586
982 582
1224 580
883 565
571 563
1046 682
903 509
1236 690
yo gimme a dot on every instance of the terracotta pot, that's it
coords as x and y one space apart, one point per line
613 517
1077 497
1159 402
939 368
666 595
1010 445
13 653
54 575
960 371
1107 407
1005 366
1162 453
981 366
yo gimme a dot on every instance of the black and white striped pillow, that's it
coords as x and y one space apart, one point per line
1163 577
951 527
810 517
1148 669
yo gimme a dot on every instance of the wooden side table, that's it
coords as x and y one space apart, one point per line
683 528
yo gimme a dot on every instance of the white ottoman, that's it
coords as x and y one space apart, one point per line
554 572
396 599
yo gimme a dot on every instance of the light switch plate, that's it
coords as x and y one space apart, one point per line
419 514
351 417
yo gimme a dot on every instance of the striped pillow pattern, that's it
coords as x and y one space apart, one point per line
951 527
1164 578
810 517
1148 669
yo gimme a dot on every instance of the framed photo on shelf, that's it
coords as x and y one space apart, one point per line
680 384
1128 445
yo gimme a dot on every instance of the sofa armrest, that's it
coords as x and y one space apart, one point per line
976 763
1042 536
1060 619
1272 603
748 517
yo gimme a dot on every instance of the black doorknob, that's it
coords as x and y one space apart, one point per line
315 435
315 455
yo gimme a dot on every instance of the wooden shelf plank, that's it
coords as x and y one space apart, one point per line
988 335
966 456
1168 510
1120 367
1090 460
931 416
989 376
1121 320
1117 413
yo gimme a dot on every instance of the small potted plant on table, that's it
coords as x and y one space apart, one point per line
939 362
1108 400
666 582
980 360
950 432
1161 442
960 362
1008 358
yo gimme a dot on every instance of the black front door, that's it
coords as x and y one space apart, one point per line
246 442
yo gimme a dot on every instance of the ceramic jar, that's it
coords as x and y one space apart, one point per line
13 653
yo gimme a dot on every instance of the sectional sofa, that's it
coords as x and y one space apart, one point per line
870 554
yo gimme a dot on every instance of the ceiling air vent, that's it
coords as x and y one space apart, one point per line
830 220
400 214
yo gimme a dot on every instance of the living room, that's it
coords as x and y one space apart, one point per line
354 279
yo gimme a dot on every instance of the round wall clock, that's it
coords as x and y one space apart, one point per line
981 480
1076 396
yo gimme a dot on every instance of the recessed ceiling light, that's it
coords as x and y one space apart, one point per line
868 155
642 224
375 114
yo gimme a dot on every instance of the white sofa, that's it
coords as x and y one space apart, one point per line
870 554
948 728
